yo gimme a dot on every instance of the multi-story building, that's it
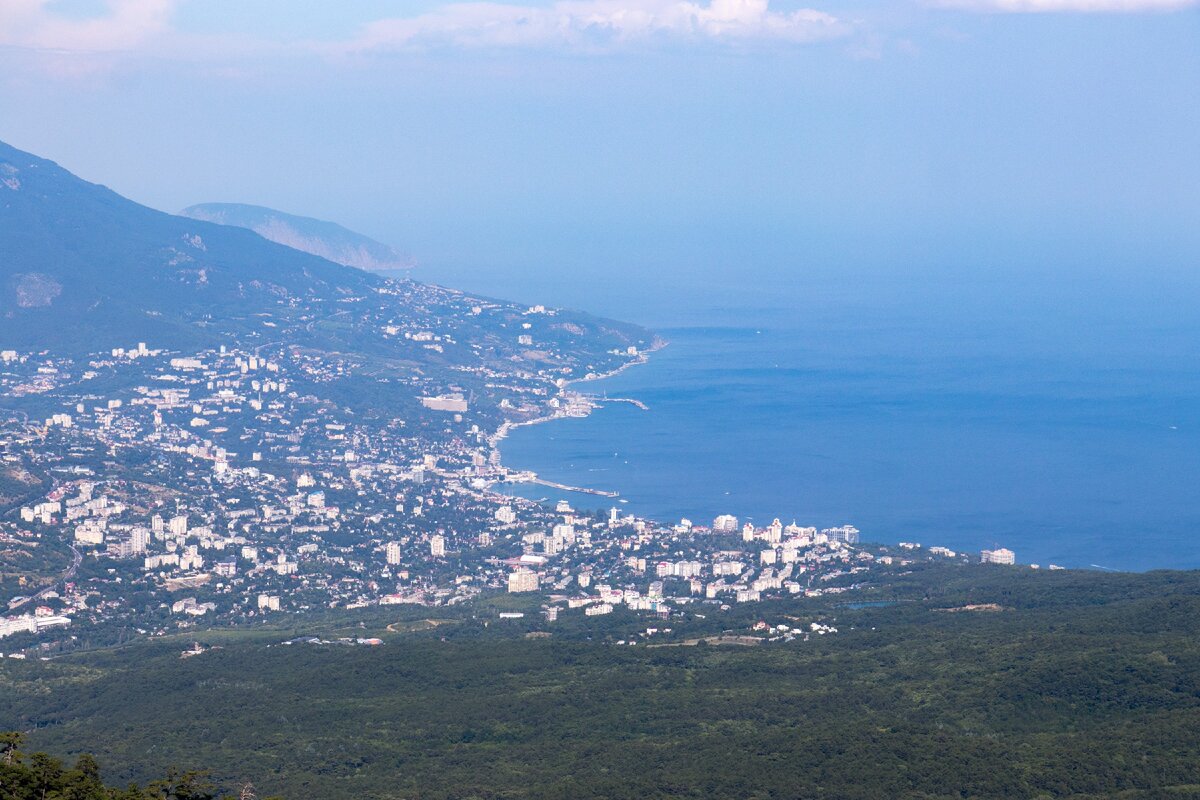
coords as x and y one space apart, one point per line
725 523
999 556
847 534
523 580
139 540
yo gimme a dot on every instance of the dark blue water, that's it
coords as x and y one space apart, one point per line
1059 420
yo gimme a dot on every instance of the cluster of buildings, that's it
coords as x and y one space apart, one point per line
43 618
249 478
240 481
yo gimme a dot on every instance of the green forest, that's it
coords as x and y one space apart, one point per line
961 683
39 776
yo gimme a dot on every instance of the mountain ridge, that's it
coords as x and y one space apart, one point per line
81 265
329 240
85 271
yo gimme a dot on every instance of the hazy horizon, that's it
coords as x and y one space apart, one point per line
962 139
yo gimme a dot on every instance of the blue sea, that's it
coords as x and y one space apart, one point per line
1057 418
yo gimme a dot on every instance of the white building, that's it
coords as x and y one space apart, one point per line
1000 556
89 533
726 523
25 624
139 539
523 580
847 534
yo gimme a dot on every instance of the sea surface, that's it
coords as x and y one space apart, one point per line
1059 419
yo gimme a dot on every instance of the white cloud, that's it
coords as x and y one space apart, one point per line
38 36
1067 6
125 25
594 23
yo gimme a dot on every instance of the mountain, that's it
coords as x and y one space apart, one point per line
318 237
82 268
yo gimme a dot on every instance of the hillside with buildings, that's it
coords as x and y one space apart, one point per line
84 270
230 470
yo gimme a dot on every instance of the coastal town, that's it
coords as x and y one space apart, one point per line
155 490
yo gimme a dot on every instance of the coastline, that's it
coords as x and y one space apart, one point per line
643 357
573 406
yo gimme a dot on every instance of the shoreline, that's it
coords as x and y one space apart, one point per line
576 405
587 405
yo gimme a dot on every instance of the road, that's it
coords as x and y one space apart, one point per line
68 574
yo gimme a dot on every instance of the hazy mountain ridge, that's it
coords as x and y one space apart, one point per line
84 270
82 267
317 237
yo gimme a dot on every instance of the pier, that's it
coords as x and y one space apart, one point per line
565 488
606 399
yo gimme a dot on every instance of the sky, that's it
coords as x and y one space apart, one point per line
590 143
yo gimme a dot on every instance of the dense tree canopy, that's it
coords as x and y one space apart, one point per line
975 684
39 776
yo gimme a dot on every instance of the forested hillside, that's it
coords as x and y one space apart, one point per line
991 684
39 776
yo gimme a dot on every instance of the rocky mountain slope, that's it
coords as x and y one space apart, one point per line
318 237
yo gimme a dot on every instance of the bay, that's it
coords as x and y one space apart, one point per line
966 415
